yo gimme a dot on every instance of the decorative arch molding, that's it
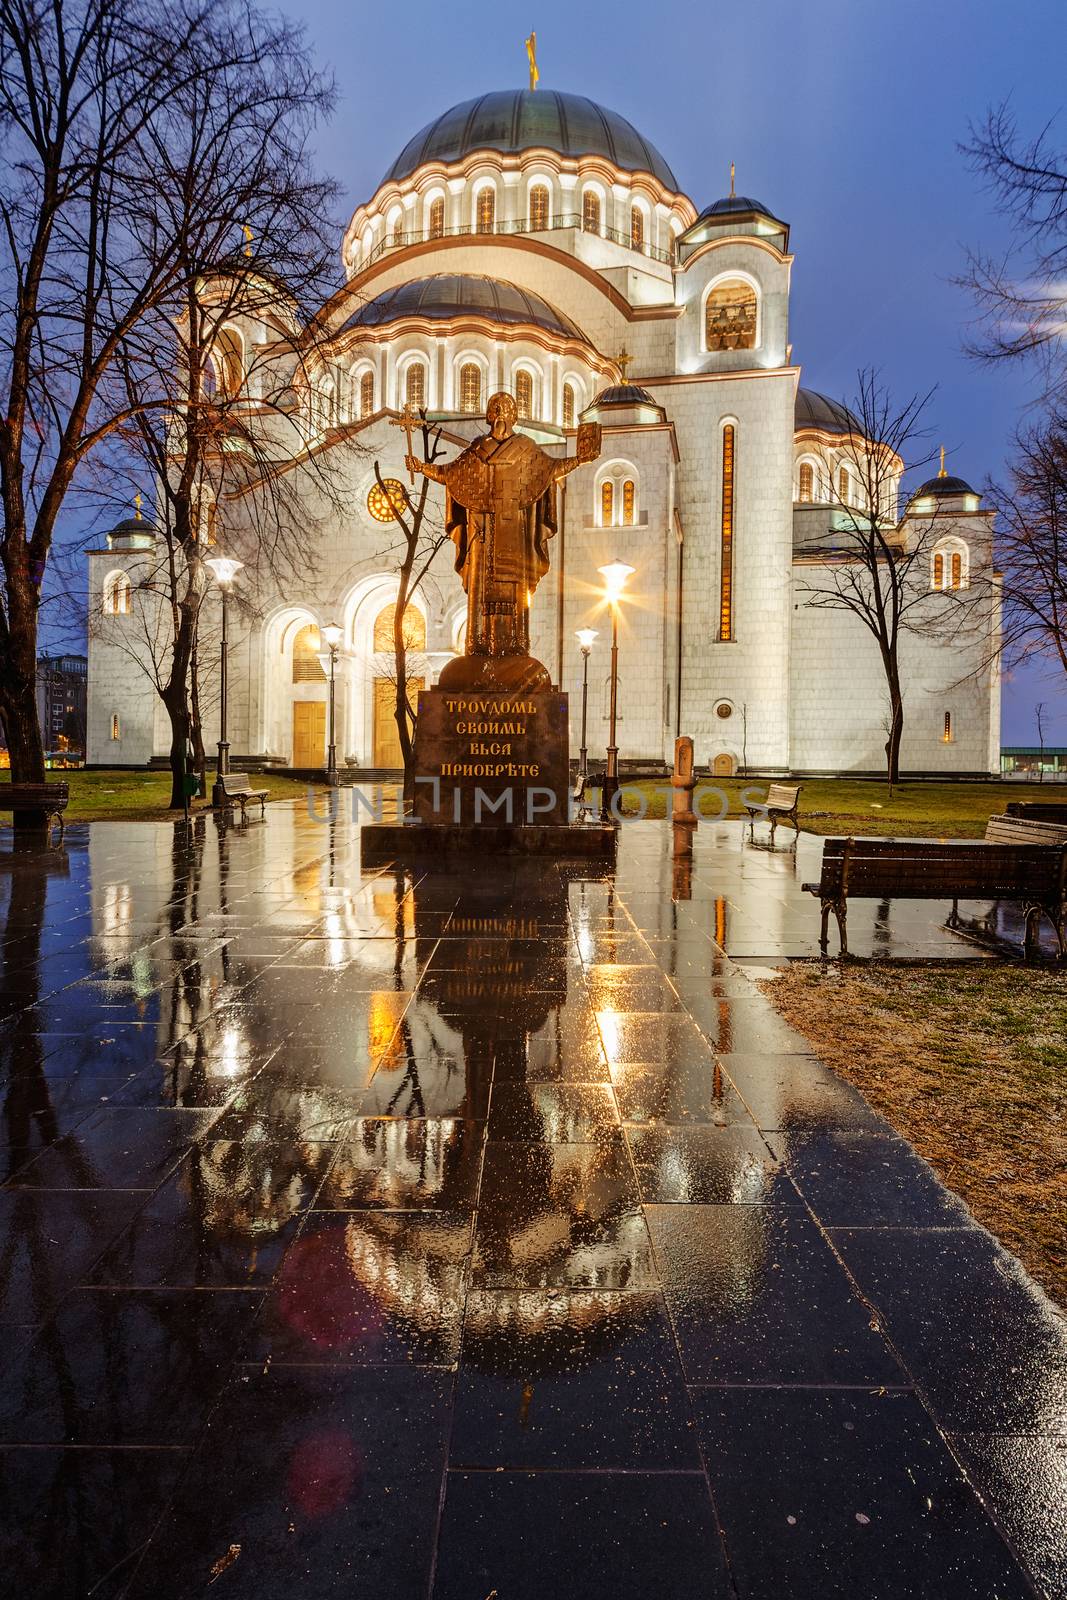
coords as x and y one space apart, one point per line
616 494
723 280
359 611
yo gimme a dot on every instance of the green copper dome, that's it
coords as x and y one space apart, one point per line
522 119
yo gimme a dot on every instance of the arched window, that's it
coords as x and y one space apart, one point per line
957 570
939 571
607 503
540 202
437 218
628 503
950 565
307 668
637 228
524 393
228 360
395 226
807 483
414 628
415 385
470 387
116 727
570 405
117 594
366 395
485 212
726 556
591 211
730 317
844 486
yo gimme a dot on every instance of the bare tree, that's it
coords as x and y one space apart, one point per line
93 243
421 537
1032 548
864 559
1022 296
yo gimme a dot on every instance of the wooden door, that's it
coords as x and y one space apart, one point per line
722 767
387 752
309 733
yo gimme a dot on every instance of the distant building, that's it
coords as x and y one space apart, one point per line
1031 761
61 703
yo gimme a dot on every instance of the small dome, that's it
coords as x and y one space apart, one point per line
814 410
943 486
447 295
129 525
625 394
512 120
737 205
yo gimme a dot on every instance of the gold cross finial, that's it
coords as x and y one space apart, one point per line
941 474
731 180
624 360
137 504
246 230
531 53
408 419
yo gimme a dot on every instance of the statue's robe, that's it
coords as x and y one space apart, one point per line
501 492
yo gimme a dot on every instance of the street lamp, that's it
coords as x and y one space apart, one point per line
585 637
614 574
332 636
223 569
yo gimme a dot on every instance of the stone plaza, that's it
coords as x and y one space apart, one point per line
454 1235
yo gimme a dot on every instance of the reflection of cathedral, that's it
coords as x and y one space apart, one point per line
536 242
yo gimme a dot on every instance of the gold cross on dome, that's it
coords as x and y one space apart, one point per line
732 170
941 474
246 230
531 55
137 504
624 361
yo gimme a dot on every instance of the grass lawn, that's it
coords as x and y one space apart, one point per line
849 805
969 1063
127 795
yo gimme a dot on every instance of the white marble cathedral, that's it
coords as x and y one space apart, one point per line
536 242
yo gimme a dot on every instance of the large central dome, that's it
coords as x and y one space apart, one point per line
522 119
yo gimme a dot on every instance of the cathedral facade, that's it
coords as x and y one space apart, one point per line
535 242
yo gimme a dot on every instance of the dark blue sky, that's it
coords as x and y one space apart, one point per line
843 116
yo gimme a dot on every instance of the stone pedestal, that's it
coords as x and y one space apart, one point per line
492 776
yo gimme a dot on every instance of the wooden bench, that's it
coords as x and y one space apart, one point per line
1025 830
238 792
782 800
48 800
931 869
1038 810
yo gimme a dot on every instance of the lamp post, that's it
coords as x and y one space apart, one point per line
332 635
223 569
585 637
615 574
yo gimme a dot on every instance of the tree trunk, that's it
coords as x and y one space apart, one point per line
196 723
174 700
19 708
896 724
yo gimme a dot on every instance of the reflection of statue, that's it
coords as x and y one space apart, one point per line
500 511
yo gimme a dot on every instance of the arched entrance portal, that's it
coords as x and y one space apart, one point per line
387 751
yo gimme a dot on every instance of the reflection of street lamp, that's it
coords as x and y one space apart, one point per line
223 569
615 574
332 635
585 637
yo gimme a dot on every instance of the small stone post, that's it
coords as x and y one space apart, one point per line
682 781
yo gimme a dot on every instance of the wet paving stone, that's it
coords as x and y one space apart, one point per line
48 1243
119 1148
126 1367
75 1521
1025 1478
406 1164
370 1288
624 1535
641 1036
630 988
757 1296
707 1165
551 1113
326 1482
699 1092
838 1493
223 1220
577 1380
797 1092
559 1216
861 1180
984 1344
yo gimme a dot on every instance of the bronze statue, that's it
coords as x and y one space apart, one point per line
500 512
